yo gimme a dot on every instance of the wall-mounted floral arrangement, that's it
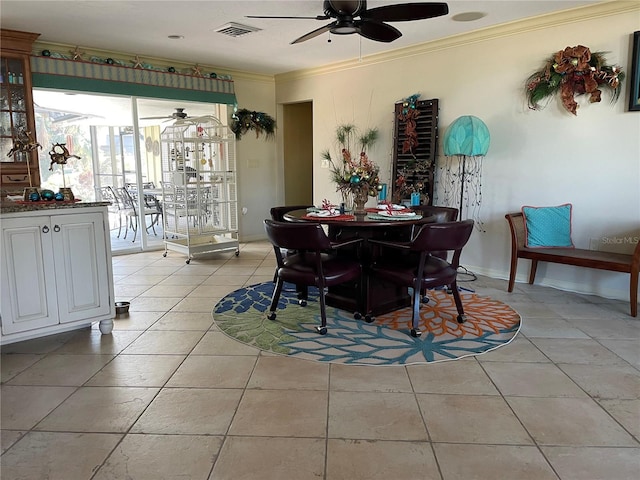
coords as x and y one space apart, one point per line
574 71
244 120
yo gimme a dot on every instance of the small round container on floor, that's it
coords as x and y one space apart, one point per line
122 308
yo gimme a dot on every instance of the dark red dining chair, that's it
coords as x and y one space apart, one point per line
436 213
310 265
428 271
277 215
430 214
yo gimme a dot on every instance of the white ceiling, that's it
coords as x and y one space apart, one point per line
142 27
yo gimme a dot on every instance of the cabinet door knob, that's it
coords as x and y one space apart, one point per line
56 228
45 229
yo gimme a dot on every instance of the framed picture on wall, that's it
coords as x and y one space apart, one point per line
634 89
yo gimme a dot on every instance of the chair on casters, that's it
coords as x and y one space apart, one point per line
440 214
430 214
429 271
277 215
310 265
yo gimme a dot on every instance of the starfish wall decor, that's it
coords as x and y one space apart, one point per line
197 70
76 53
137 63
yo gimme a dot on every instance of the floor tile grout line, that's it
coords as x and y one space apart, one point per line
329 391
426 427
142 412
517 417
226 435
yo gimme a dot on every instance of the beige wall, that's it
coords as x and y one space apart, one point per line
259 174
543 157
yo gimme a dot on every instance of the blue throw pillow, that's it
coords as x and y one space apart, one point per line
548 226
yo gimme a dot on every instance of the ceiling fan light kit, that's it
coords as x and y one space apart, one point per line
352 16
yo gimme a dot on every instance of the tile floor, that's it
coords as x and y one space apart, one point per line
168 396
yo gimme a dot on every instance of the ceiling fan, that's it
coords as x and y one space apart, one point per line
354 17
178 115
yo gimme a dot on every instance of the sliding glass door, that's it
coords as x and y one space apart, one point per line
115 146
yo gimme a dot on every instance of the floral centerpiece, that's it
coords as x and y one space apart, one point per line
355 177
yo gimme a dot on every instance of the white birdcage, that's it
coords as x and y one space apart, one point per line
199 192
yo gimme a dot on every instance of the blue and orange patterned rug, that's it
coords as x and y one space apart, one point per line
490 324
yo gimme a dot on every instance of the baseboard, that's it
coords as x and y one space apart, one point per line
609 293
252 238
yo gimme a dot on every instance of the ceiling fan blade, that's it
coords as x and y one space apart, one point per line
405 12
179 113
378 31
314 33
317 17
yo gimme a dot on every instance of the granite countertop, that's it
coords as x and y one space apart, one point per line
8 206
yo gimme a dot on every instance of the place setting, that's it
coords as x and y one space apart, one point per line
328 210
391 211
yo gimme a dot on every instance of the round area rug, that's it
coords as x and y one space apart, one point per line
242 315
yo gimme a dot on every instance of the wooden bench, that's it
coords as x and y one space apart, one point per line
615 262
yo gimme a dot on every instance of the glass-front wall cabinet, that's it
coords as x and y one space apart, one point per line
18 155
13 114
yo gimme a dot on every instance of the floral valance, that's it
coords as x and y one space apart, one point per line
50 72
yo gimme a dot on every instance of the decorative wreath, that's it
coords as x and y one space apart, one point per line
409 115
574 71
245 120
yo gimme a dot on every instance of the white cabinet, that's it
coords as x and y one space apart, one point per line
56 272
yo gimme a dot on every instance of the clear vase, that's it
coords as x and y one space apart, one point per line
347 199
359 200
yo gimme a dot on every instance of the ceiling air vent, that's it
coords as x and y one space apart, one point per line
236 29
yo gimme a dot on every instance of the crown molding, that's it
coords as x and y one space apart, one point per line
540 22
155 61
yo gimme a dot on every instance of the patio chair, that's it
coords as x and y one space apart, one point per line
130 209
108 195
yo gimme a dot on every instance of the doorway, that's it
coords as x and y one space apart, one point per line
297 129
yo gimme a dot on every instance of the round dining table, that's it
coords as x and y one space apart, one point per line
369 296
372 219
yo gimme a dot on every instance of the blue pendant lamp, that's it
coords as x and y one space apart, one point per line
467 136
